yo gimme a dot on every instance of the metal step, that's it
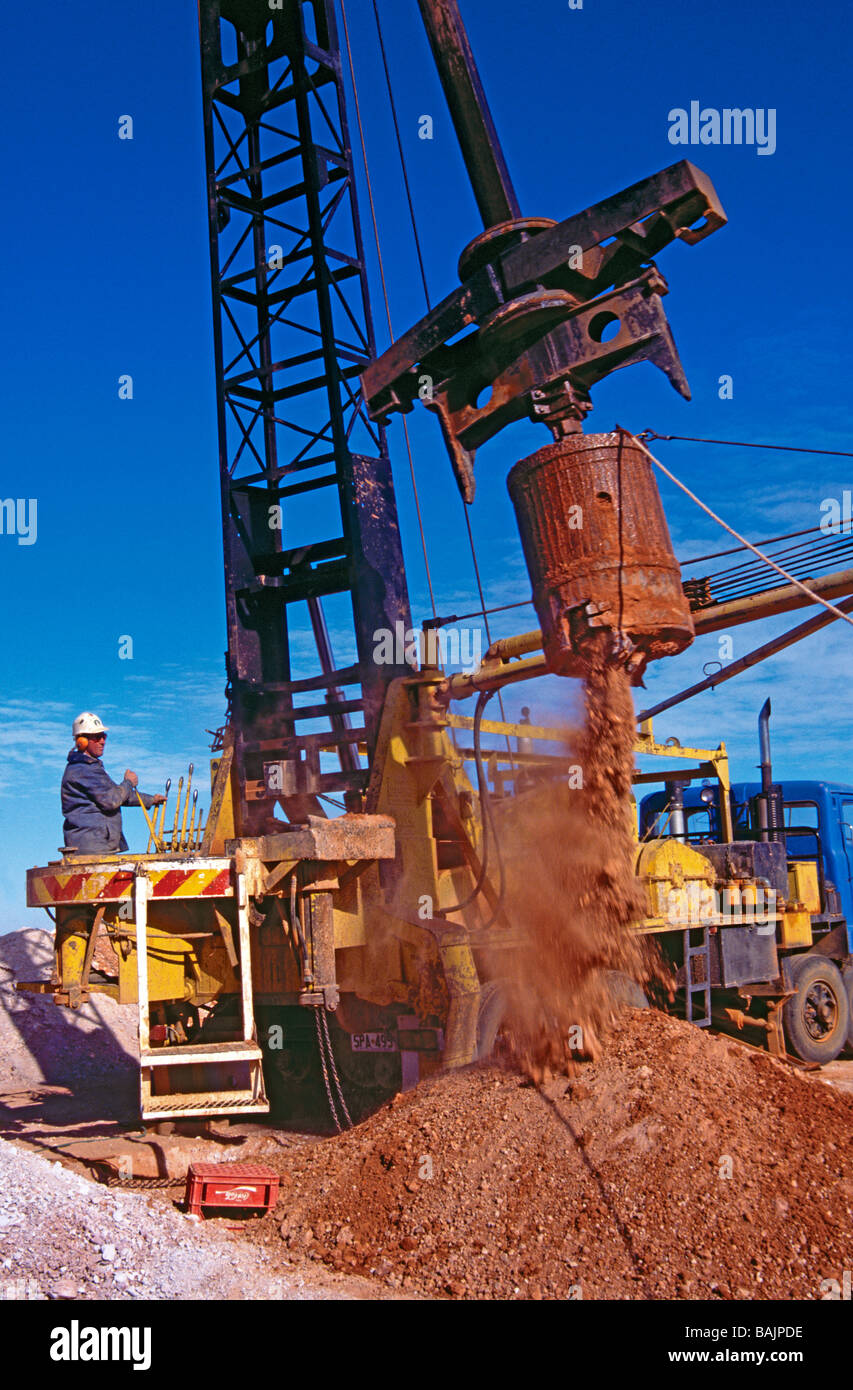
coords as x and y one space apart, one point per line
699 952
195 1053
200 1103
235 1065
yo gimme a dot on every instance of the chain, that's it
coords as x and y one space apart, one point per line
143 1184
322 1051
324 1022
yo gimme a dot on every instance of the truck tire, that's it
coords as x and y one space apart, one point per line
817 1019
847 977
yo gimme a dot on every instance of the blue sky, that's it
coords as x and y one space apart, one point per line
107 273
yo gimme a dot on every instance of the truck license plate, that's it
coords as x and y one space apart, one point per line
373 1042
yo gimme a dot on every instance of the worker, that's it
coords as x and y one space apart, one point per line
91 800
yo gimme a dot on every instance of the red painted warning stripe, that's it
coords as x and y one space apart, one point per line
165 886
66 892
78 886
117 884
68 889
169 884
218 885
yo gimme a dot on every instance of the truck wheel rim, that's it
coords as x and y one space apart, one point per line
820 1010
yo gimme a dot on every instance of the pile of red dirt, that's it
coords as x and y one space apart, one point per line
679 1165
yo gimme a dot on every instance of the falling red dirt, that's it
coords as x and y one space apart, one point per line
572 894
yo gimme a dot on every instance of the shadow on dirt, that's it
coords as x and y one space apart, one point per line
59 1065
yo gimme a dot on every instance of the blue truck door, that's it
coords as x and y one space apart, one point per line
847 834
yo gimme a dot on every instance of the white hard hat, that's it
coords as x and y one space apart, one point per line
88 723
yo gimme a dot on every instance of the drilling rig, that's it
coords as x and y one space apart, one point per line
282 949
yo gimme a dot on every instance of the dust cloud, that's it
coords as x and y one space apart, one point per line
571 893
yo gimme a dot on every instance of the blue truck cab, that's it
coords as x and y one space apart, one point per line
817 827
811 824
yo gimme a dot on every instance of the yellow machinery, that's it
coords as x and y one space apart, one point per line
346 916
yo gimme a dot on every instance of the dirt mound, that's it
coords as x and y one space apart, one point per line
679 1165
94 1045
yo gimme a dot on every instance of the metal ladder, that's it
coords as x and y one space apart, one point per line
238 1084
693 952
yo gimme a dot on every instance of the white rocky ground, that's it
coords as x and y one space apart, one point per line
40 1043
63 1236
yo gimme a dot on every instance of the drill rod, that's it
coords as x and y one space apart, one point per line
469 110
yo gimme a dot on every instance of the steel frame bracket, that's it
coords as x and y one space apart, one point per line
536 300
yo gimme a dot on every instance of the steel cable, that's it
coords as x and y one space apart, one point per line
482 612
385 292
814 598
745 444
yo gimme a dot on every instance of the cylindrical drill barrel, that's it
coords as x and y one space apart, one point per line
599 553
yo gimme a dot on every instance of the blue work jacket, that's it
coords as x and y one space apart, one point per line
91 805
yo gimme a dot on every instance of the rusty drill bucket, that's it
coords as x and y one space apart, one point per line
599 554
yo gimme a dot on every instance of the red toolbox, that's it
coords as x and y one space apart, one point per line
233 1185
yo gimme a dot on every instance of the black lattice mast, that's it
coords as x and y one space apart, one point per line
307 495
